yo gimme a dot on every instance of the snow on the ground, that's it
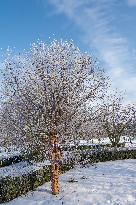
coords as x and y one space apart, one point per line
132 145
106 183
18 169
106 140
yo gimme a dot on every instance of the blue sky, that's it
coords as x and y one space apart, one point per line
105 28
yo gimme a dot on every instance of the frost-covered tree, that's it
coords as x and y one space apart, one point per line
116 117
130 131
46 92
92 124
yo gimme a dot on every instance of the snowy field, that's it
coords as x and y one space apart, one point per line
105 183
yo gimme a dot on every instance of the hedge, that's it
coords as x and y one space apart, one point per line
108 155
92 146
10 160
11 188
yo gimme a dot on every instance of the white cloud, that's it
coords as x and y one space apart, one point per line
131 2
96 19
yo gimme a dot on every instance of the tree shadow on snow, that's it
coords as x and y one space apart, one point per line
45 190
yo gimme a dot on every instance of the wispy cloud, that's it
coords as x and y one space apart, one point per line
97 20
131 2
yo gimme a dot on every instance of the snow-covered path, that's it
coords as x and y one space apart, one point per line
105 183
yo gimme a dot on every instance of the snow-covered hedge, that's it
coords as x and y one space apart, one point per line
13 187
108 155
6 161
10 155
90 146
16 185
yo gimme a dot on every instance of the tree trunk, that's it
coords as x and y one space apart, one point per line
55 160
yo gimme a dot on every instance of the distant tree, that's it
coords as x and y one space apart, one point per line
116 117
130 131
92 125
46 91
